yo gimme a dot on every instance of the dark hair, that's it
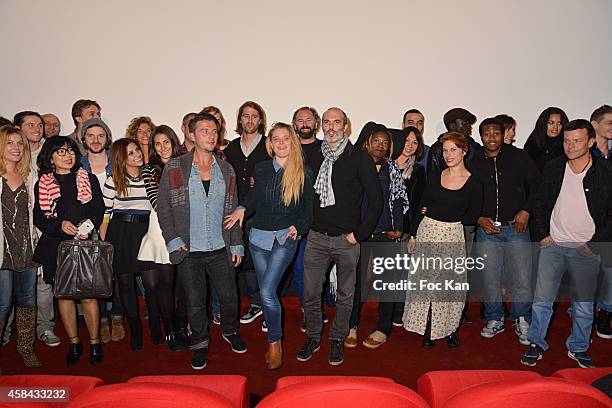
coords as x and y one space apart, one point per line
187 118
79 106
314 112
262 117
20 117
491 121
506 120
419 137
384 130
538 135
200 117
51 145
154 158
599 113
4 121
118 158
409 111
577 124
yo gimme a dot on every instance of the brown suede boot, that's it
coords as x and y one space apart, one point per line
26 334
105 332
275 355
118 330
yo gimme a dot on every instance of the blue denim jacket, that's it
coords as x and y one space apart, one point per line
87 165
206 214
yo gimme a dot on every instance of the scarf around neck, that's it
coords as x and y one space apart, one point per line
323 184
49 191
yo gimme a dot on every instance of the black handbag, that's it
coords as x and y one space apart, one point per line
84 269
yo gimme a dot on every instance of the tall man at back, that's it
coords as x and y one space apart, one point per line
243 153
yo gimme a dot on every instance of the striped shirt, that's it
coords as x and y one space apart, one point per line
152 187
135 202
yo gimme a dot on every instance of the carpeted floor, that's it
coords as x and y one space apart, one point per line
401 358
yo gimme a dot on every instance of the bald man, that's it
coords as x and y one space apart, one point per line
52 125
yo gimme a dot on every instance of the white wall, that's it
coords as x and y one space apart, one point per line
373 59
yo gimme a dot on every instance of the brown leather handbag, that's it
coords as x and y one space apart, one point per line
84 269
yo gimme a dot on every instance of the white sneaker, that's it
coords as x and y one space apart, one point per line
521 328
492 328
50 339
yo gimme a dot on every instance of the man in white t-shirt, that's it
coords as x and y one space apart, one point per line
572 221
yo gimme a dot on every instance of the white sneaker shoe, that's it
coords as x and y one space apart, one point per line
492 328
521 328
50 339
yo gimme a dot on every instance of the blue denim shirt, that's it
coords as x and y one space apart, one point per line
206 214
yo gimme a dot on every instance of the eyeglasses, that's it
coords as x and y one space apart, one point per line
62 151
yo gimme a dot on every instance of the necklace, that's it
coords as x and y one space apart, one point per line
585 166
133 179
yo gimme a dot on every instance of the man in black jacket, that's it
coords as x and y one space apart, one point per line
572 220
509 177
344 174
243 153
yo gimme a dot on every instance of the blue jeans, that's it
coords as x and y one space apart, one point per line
604 301
116 310
583 270
270 267
24 284
511 252
298 268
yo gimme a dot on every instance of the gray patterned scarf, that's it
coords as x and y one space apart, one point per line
323 184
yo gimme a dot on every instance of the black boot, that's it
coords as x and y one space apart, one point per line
135 334
182 337
95 353
155 329
427 341
452 341
74 351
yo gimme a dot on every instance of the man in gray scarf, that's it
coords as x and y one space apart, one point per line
344 174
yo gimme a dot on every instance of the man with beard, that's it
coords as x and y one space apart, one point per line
52 125
344 174
243 153
306 122
83 110
97 139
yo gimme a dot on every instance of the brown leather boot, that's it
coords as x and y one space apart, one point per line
105 332
275 355
118 330
26 325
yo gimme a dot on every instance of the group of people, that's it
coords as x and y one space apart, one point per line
184 217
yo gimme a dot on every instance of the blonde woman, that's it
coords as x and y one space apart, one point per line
17 271
281 201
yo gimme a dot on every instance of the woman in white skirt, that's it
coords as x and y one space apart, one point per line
158 271
452 198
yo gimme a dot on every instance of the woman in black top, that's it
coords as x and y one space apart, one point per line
65 196
546 140
281 200
452 198
411 177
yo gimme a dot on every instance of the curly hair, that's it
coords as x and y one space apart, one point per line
132 128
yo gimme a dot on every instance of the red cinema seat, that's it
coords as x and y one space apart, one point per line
299 379
539 393
75 384
583 375
150 395
232 387
343 393
439 386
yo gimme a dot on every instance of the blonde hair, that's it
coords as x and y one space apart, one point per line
293 175
23 165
